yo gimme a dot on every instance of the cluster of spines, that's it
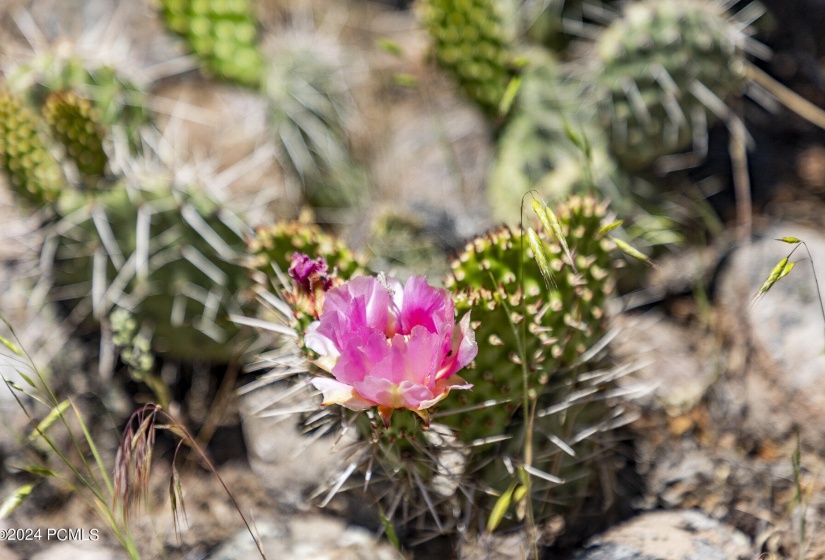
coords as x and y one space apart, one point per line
32 168
222 33
75 123
470 39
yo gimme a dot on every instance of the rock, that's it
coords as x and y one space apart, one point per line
779 339
669 535
315 536
288 463
675 361
71 551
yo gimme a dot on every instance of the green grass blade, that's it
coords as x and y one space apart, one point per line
47 422
100 464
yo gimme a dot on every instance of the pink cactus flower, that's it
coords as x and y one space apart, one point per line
390 346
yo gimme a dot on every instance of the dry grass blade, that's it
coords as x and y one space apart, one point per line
176 499
134 462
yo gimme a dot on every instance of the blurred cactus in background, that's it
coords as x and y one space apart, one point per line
32 169
75 123
116 100
308 96
222 33
472 40
310 102
538 148
167 254
643 80
663 70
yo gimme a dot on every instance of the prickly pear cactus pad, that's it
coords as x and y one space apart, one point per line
32 169
527 326
470 39
665 67
168 255
223 33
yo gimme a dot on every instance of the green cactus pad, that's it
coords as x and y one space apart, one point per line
662 65
76 125
496 279
223 33
33 171
470 39
169 256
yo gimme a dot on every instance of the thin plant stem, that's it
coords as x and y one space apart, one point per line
816 281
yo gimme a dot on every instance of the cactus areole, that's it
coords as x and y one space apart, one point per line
390 346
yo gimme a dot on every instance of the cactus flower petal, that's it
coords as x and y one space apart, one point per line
336 392
392 346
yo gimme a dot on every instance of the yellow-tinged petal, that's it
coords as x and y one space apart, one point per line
336 392
442 389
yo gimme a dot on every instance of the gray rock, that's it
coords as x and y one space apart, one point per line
72 551
674 360
289 463
669 535
316 537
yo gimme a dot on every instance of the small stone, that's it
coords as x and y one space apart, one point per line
669 535
72 551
